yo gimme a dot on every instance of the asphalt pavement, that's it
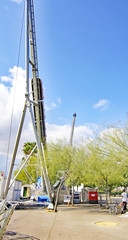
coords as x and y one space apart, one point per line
90 222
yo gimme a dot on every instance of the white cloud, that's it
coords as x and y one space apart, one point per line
102 104
17 89
80 136
17 1
16 84
6 78
53 105
9 104
112 131
59 100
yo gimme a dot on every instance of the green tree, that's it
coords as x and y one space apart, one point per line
28 147
31 170
78 166
103 163
108 159
59 159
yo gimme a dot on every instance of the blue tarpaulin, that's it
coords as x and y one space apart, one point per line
43 198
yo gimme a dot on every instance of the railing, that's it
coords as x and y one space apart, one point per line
5 214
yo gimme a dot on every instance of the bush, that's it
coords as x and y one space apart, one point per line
116 193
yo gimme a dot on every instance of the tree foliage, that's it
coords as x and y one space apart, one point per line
31 170
103 163
59 159
28 147
108 158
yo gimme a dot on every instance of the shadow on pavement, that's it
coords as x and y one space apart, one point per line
14 235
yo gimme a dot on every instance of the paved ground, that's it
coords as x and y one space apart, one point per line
69 223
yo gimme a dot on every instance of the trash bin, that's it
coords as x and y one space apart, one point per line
93 197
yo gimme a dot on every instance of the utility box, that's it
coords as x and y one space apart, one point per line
76 197
93 196
67 198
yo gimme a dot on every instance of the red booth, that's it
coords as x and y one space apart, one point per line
93 197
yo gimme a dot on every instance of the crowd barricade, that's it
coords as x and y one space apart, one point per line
5 214
91 197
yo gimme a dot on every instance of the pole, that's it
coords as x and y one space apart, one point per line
27 47
72 131
25 106
71 138
28 105
15 151
40 153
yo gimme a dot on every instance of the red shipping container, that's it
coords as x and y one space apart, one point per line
93 196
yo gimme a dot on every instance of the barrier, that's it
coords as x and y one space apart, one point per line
5 215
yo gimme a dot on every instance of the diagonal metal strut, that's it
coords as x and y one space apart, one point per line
30 43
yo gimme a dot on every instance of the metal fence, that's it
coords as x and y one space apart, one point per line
5 214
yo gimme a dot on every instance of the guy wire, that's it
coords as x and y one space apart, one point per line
10 129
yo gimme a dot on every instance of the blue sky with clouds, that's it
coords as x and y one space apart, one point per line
83 63
85 57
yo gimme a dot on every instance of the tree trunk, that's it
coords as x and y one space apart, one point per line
63 179
106 193
110 196
72 193
57 195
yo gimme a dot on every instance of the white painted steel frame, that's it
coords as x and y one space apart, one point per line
28 104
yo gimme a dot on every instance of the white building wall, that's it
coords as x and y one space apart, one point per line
14 192
2 186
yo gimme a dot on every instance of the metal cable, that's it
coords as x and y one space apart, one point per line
10 129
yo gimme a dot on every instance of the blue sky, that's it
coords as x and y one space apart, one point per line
83 62
84 52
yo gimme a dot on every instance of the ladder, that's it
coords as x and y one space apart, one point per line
37 89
